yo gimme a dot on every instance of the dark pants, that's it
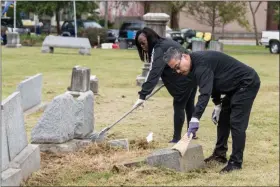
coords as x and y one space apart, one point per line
182 107
234 118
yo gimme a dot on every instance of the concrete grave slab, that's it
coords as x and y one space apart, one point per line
70 146
165 158
14 121
28 161
11 177
193 159
31 91
122 143
57 122
4 146
52 42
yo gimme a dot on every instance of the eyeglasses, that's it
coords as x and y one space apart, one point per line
177 66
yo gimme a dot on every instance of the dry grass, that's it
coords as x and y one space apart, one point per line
117 71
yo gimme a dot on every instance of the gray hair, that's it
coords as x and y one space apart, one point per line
173 53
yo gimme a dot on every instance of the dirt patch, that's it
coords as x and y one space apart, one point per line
143 144
59 169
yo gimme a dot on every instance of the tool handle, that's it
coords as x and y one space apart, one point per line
136 106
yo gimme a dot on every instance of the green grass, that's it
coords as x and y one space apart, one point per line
117 71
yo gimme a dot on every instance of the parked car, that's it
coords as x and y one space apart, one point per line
68 28
270 39
136 25
9 24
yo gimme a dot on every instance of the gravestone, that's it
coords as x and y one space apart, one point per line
13 40
157 22
56 125
52 42
19 159
122 143
31 91
216 46
94 84
169 158
14 121
80 81
4 146
198 46
65 118
84 115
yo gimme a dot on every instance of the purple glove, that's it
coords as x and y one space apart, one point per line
193 127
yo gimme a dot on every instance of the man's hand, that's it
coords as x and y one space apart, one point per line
138 103
193 127
216 114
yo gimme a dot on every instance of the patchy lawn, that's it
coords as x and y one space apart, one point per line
117 71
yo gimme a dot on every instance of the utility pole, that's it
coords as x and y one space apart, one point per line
106 15
75 20
15 16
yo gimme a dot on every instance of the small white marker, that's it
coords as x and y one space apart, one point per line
149 137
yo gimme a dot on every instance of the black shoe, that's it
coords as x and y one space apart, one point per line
174 141
216 158
230 167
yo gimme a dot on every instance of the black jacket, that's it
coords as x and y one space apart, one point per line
217 73
176 85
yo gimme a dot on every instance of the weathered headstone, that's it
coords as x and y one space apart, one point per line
70 146
57 122
11 177
157 22
94 84
14 122
122 143
198 45
84 115
52 42
216 46
166 158
13 40
28 160
80 81
31 91
193 158
19 159
68 116
4 146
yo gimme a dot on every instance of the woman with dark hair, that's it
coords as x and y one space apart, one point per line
151 48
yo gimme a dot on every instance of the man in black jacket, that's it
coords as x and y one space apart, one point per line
217 73
151 48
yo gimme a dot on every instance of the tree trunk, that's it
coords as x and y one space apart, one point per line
213 21
223 30
254 21
57 16
255 29
146 7
174 19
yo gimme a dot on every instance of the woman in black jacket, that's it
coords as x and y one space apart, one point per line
151 48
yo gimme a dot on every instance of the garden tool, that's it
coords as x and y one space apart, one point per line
183 144
98 137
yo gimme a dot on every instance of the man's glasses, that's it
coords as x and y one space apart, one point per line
177 66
